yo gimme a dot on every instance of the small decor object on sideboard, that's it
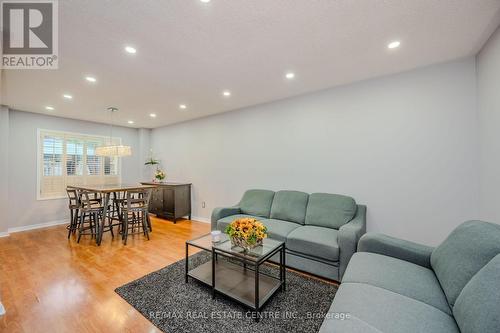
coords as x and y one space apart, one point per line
246 233
160 175
152 161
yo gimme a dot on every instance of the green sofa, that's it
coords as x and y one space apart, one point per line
320 230
392 285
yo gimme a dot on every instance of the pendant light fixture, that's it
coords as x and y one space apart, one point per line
112 150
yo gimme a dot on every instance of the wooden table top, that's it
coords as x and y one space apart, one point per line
111 188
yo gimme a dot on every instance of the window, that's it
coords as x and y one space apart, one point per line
111 166
93 161
70 159
74 157
52 155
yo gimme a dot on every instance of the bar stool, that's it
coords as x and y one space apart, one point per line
95 197
74 207
148 219
115 210
90 207
135 213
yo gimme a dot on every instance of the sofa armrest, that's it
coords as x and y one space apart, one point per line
397 248
349 235
221 212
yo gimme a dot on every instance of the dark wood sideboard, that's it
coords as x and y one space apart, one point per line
170 200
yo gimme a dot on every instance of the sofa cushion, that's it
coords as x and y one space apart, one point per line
329 210
257 202
397 275
374 309
315 241
289 206
223 222
477 308
279 229
466 250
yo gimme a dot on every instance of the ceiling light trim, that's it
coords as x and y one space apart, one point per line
394 44
130 49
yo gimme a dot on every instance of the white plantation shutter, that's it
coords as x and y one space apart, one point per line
111 166
94 162
53 150
74 157
70 159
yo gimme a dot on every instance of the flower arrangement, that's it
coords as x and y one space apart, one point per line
160 175
246 232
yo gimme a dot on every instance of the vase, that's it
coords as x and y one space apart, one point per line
241 242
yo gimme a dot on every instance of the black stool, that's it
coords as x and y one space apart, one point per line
74 208
90 207
135 213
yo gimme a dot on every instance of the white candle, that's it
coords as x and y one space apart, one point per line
216 236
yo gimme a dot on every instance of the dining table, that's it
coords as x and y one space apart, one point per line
106 191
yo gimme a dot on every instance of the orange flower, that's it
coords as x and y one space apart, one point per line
247 228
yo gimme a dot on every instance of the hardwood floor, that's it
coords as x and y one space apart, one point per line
51 284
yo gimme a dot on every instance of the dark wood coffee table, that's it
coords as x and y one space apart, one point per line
240 278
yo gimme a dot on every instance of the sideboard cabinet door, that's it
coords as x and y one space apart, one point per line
156 202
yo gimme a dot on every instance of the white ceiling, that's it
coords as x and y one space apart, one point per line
189 52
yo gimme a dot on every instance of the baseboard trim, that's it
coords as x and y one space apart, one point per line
37 226
59 222
200 219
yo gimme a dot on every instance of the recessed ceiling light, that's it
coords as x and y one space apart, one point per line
130 49
183 106
49 108
205 1
152 115
130 122
290 75
91 79
226 93
67 96
394 45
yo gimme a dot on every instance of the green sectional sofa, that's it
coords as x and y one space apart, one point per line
392 285
320 230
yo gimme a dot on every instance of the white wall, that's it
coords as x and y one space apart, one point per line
145 153
24 209
4 168
488 81
404 145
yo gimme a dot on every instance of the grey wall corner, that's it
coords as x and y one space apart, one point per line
144 153
4 168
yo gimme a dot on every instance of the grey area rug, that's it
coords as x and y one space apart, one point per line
174 306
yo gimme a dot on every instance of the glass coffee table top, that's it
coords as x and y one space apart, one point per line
205 242
225 245
237 273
